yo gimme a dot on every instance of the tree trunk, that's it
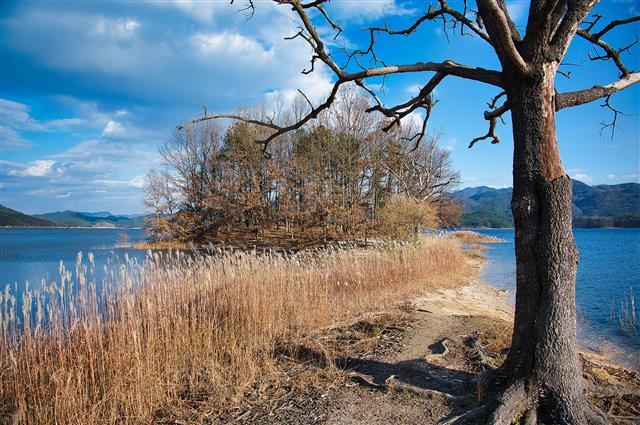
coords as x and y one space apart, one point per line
542 375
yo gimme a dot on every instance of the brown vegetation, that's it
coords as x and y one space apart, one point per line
467 236
186 334
330 180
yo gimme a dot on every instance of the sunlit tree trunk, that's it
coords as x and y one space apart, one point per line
543 372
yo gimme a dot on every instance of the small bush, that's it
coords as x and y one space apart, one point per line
403 217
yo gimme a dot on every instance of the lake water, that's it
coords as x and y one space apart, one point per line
609 271
33 255
608 286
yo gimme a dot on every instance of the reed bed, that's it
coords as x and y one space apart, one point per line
471 237
187 331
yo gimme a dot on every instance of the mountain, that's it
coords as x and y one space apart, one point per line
593 206
101 214
99 219
9 217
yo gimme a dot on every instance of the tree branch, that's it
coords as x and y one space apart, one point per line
500 27
447 67
492 116
610 52
440 12
576 11
580 97
614 121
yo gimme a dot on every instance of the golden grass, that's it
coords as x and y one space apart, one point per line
468 236
190 333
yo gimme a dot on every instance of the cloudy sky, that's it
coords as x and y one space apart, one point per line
90 90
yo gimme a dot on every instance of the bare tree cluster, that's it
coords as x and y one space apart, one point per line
328 180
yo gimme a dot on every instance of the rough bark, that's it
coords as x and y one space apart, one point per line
542 376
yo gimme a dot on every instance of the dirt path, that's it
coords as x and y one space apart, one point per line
431 368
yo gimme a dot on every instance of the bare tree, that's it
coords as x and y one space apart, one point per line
541 378
162 201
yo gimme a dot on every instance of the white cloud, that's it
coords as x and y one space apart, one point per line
413 89
65 123
610 176
41 168
117 29
12 140
203 11
113 129
366 10
585 178
17 116
229 44
137 182
413 120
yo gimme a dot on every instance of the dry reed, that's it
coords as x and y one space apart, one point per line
189 332
470 237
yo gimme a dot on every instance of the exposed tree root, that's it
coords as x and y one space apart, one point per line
523 405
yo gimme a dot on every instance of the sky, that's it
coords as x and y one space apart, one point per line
89 91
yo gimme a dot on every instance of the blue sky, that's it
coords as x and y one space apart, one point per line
90 90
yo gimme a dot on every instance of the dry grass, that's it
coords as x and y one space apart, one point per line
184 333
467 236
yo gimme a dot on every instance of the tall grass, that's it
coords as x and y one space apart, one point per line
187 332
624 313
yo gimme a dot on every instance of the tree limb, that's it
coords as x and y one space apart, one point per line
500 27
576 11
493 121
610 52
447 67
440 12
580 97
492 116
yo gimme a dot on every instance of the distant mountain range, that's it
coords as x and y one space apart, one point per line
9 217
593 206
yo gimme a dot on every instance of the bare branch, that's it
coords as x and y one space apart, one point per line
331 22
250 8
492 116
580 97
614 24
442 11
447 67
422 100
614 121
576 11
278 130
315 3
610 52
500 27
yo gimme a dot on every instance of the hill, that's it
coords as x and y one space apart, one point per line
593 206
9 217
101 219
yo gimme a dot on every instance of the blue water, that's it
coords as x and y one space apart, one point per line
608 279
33 255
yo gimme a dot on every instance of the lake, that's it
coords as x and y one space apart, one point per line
31 255
608 286
609 271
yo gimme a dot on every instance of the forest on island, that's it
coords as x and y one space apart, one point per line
350 175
